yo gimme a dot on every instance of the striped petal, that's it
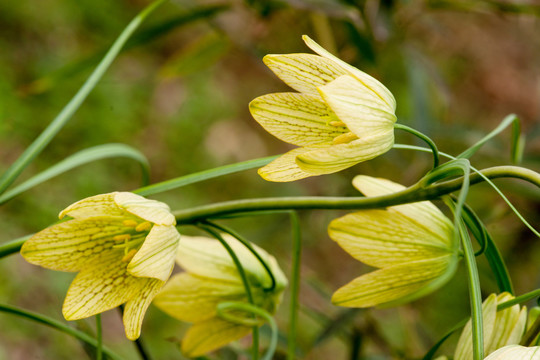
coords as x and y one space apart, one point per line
357 106
191 298
156 256
342 156
369 81
99 205
424 213
103 285
74 244
284 168
149 210
210 335
379 238
403 282
137 306
298 119
304 72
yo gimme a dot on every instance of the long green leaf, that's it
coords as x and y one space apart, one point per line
73 105
80 158
55 324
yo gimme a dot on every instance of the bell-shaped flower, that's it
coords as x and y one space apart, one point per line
339 117
501 328
516 352
413 246
123 247
210 278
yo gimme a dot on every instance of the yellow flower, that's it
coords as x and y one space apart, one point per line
340 117
501 328
123 247
516 352
211 278
412 246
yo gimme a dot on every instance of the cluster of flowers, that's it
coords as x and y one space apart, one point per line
124 247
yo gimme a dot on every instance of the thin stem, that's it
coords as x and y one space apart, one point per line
99 337
425 138
55 324
203 175
255 329
412 194
73 105
295 284
531 334
13 246
520 299
250 247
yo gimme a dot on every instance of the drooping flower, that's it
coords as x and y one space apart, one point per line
516 352
123 247
339 117
210 278
413 246
501 328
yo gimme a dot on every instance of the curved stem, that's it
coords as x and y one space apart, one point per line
425 138
412 194
55 324
73 105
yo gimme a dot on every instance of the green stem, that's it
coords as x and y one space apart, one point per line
67 112
13 246
425 138
295 285
58 326
250 247
203 175
255 336
99 337
531 334
520 299
412 194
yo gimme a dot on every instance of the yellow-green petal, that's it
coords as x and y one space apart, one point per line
210 335
71 245
403 282
380 238
102 285
137 306
357 106
368 80
99 205
424 213
155 258
298 119
284 168
516 352
150 210
191 298
341 156
304 72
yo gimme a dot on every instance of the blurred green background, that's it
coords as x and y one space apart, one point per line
179 94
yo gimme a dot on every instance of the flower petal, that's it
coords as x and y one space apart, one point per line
357 106
208 258
341 156
379 238
396 284
156 256
304 72
191 298
284 168
99 205
298 119
71 245
210 335
103 285
369 81
512 352
424 213
149 210
136 307
509 326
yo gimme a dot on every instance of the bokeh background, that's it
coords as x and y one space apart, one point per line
179 93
